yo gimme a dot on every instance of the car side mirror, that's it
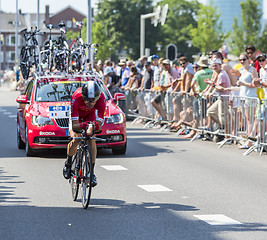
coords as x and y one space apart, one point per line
22 99
119 96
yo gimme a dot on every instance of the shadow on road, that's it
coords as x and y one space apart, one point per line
7 188
112 219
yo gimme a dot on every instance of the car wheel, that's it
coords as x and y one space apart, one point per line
120 150
29 151
20 143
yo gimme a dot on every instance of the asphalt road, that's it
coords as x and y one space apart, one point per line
163 188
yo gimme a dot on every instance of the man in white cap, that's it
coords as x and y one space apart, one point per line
217 110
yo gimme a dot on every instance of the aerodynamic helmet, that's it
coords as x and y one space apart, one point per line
91 91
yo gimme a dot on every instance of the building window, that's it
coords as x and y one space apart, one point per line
11 56
11 40
69 24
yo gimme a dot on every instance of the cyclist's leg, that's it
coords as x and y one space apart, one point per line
92 144
71 150
73 144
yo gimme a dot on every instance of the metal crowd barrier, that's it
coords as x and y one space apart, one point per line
241 118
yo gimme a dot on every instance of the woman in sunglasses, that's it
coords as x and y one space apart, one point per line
87 111
247 89
262 81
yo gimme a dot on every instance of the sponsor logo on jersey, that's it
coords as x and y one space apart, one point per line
47 133
113 131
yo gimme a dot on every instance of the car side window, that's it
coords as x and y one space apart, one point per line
28 91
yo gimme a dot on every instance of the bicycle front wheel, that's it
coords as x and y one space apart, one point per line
87 177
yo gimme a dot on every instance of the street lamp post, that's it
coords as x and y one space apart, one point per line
0 45
142 30
38 15
89 32
16 38
159 15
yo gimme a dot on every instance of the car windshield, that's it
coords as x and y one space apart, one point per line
61 91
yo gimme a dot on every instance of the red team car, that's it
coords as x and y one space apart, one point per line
43 115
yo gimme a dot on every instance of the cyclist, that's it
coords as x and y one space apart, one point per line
87 107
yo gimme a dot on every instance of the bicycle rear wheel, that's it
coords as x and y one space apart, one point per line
25 70
87 177
74 179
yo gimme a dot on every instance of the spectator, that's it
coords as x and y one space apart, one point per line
217 110
226 67
125 72
262 81
211 54
132 85
158 68
183 86
108 76
247 89
186 75
144 97
148 78
196 67
100 67
198 86
251 52
134 79
140 63
167 82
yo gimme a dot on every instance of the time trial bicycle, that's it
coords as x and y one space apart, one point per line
82 169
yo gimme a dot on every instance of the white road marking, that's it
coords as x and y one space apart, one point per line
217 219
154 188
2 110
152 207
12 116
7 113
114 167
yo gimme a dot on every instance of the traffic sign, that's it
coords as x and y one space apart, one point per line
164 12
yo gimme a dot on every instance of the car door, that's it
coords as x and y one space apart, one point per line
22 108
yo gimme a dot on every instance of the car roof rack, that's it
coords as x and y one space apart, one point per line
42 75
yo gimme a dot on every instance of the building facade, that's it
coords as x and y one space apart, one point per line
229 9
29 20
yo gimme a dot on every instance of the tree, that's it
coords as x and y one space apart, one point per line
248 32
208 34
181 18
105 50
262 40
121 21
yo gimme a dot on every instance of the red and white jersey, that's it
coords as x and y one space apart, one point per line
81 112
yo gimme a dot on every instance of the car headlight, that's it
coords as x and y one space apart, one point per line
41 121
115 119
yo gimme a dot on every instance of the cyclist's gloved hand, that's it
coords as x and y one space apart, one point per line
84 125
96 126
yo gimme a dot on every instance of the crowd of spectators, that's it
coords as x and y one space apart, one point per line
168 83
